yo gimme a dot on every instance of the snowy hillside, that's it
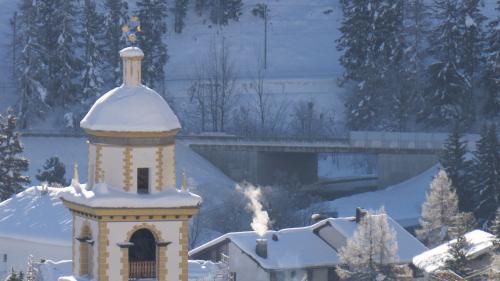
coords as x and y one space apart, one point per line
401 201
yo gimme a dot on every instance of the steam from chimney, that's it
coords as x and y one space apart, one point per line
260 220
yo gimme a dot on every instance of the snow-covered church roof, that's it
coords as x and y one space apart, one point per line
132 107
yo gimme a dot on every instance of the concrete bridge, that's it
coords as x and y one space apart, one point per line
399 155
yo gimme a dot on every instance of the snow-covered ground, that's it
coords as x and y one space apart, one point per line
402 201
336 165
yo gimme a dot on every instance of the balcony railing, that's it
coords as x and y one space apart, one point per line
142 270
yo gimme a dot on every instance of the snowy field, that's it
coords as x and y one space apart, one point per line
402 201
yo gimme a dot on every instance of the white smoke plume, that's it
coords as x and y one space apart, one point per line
260 220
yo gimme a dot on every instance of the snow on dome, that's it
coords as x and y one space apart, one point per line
131 52
104 196
131 109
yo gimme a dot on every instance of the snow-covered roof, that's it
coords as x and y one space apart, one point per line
103 196
131 109
295 248
434 259
408 245
33 215
302 247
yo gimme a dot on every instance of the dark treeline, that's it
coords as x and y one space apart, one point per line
411 63
65 52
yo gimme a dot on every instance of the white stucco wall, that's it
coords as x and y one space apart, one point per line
91 165
79 223
169 166
112 165
144 157
246 269
170 231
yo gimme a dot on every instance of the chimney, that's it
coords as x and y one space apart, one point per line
317 218
360 213
261 248
132 57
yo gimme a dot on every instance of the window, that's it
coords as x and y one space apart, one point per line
143 180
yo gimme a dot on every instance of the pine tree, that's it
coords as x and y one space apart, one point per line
458 168
53 172
462 223
11 164
458 261
93 58
116 16
487 173
152 15
448 96
438 211
200 6
59 42
31 68
474 41
495 228
372 247
224 10
180 14
491 77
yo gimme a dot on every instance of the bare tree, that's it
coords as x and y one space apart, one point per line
195 228
214 86
307 121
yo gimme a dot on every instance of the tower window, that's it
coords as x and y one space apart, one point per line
143 180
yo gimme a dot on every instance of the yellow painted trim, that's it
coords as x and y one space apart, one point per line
183 251
115 134
103 254
100 212
124 271
99 174
159 168
127 168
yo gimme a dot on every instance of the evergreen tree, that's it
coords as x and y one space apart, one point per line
224 10
116 16
458 168
474 40
59 43
487 173
53 172
495 229
92 60
31 68
438 211
15 276
180 14
200 6
11 164
462 223
372 42
372 247
458 261
152 15
448 96
491 77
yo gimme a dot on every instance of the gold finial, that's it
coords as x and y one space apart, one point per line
184 180
131 29
76 178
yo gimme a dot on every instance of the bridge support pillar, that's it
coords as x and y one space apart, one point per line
395 168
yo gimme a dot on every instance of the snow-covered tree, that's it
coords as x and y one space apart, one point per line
448 97
463 222
487 173
180 14
32 67
372 247
12 165
152 15
58 18
93 57
308 121
116 16
438 211
15 276
495 228
53 172
458 168
200 6
491 77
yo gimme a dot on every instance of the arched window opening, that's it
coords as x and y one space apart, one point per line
142 255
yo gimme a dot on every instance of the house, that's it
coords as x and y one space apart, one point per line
479 255
310 252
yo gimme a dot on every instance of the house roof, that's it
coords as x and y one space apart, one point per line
302 247
480 242
408 245
294 248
